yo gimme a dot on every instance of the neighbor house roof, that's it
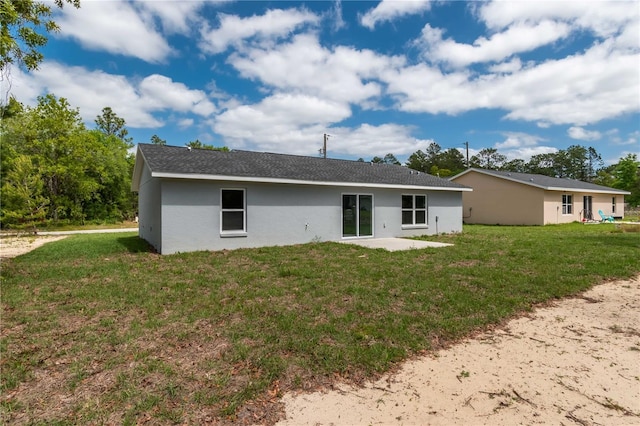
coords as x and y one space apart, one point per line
165 161
546 182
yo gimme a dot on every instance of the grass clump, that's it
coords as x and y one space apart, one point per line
128 336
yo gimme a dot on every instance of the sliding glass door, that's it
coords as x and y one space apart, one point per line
357 215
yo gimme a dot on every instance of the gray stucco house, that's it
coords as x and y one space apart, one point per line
195 199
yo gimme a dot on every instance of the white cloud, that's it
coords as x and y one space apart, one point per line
335 15
583 134
601 83
580 89
185 123
279 121
160 92
281 110
343 74
296 123
90 91
518 140
517 38
234 30
523 146
421 88
115 27
389 10
633 138
605 18
369 140
525 153
175 16
506 67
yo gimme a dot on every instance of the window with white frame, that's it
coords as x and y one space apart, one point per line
613 205
414 210
233 212
567 204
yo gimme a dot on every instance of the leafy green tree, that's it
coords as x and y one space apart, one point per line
517 165
576 162
23 202
488 158
110 124
424 160
199 145
21 25
110 165
627 177
436 161
155 139
418 161
452 160
436 171
605 176
542 164
11 108
391 159
388 159
54 169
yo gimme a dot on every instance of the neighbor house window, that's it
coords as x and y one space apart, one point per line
414 209
567 204
233 212
613 204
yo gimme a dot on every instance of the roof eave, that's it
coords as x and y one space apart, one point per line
195 176
592 191
510 179
546 188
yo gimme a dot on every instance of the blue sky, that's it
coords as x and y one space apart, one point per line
524 77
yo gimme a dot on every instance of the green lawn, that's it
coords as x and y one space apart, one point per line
97 329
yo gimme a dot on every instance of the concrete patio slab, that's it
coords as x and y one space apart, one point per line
395 244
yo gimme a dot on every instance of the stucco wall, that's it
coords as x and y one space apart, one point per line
149 210
286 214
553 206
495 201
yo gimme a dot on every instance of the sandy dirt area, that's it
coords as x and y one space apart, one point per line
15 246
576 362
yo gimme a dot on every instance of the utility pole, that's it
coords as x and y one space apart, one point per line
467 145
324 145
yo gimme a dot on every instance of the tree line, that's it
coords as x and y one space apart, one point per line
55 169
576 162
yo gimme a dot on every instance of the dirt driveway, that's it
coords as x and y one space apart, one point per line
574 363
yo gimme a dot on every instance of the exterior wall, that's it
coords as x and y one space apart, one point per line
149 219
286 214
496 201
553 206
604 202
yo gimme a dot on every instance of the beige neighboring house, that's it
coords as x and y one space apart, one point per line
507 198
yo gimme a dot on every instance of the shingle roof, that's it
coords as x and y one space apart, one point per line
546 182
166 160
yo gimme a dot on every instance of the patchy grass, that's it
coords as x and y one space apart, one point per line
629 227
97 329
